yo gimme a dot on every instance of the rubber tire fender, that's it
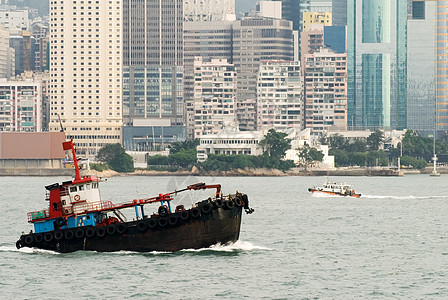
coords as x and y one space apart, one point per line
162 222
69 234
142 226
100 231
206 209
38 237
184 215
152 223
238 202
48 236
229 204
173 219
29 239
79 233
90 232
195 212
121 228
111 229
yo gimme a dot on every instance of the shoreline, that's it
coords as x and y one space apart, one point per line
261 172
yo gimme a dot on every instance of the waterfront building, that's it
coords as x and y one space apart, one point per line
209 10
215 85
21 105
279 95
7 55
206 39
256 40
153 64
377 69
325 91
421 78
86 72
230 142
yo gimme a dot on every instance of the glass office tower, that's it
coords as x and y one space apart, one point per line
376 46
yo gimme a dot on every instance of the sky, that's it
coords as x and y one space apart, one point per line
245 5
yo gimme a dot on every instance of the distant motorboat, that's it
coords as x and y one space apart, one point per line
337 189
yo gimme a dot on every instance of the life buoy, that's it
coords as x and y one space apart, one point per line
77 197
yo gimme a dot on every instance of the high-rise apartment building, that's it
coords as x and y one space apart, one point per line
256 40
21 43
376 56
21 105
215 88
279 95
309 18
421 77
15 20
7 55
206 39
339 11
325 91
86 71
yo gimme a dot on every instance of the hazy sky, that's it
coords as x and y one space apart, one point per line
245 5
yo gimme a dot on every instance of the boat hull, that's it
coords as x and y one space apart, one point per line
202 228
333 193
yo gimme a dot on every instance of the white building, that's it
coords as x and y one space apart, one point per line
270 9
209 10
214 96
7 55
15 20
86 71
229 142
21 105
279 95
299 139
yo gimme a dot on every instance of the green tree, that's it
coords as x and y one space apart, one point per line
183 158
308 155
337 141
116 157
275 144
414 162
375 140
184 145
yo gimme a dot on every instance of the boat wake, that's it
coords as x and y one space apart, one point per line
237 246
401 197
27 250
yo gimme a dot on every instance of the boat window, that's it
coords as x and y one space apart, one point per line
88 186
88 217
81 187
73 189
95 185
63 202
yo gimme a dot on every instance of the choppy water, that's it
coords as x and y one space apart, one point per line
390 243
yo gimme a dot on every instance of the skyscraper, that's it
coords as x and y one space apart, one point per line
421 65
376 42
441 65
85 71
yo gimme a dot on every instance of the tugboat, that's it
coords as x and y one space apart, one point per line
77 219
336 189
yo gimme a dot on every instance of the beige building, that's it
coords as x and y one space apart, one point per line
86 72
325 91
214 96
310 17
7 55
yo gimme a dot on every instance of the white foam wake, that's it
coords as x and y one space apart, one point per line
26 250
238 245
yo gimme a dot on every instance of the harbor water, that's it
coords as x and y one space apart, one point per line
390 243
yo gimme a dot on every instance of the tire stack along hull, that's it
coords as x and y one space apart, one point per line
201 227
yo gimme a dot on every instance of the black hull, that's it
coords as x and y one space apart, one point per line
200 228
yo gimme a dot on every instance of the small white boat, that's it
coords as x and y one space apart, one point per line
337 189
